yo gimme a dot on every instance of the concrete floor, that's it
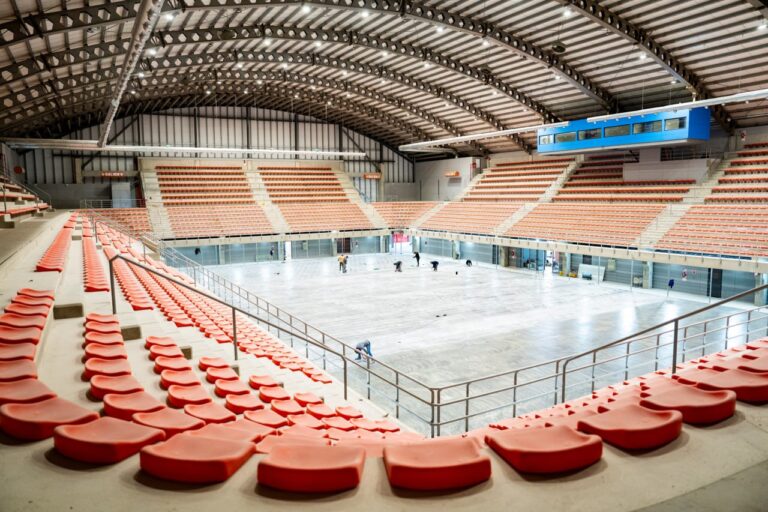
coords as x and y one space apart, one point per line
442 327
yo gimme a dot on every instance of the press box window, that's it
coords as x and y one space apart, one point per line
649 127
595 133
565 137
546 139
617 131
674 124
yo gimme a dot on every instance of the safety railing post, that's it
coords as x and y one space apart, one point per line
397 395
466 408
346 375
112 285
514 395
368 375
234 332
594 363
439 411
432 413
674 347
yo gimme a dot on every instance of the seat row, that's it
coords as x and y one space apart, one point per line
94 276
55 257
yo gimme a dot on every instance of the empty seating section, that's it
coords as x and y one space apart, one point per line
55 257
403 214
95 278
302 184
15 201
331 216
203 185
736 229
604 224
135 219
517 181
745 180
600 178
471 217
218 220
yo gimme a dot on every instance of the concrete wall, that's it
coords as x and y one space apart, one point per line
651 167
433 185
401 192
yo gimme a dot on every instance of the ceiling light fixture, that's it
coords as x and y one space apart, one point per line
305 9
266 42
364 14
152 51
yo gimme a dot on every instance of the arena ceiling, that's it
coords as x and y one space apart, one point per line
395 70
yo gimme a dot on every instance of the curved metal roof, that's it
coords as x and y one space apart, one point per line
398 71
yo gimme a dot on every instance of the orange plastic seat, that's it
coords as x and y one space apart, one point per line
13 335
632 427
320 411
124 406
23 309
30 292
113 367
22 321
210 412
546 450
103 328
748 386
266 417
226 431
17 369
104 384
308 467
24 391
286 407
33 301
104 339
306 420
179 396
98 317
257 381
696 405
365 424
348 412
171 363
104 441
170 421
269 393
165 351
337 422
100 351
161 341
212 362
193 459
33 421
239 403
223 387
251 426
170 378
15 351
269 443
437 464
213 374
305 399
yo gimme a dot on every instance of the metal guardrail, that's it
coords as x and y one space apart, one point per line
459 407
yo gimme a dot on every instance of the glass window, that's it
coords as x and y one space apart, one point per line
617 131
546 139
565 137
674 124
649 127
594 133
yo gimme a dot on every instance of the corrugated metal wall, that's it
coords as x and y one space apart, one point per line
220 127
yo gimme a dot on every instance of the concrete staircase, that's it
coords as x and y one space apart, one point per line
699 193
661 225
514 219
158 216
354 197
429 213
261 195
556 185
470 186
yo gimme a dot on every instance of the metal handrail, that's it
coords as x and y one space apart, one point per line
287 324
234 309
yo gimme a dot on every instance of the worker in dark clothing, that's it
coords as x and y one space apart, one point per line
418 257
434 265
469 263
398 266
363 349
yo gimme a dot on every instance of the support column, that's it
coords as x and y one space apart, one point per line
334 252
383 245
761 298
564 261
647 274
284 251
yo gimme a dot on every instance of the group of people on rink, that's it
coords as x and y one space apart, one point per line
399 264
